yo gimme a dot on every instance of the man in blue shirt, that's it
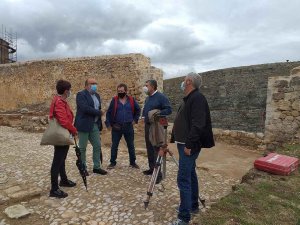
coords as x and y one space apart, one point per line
155 100
122 114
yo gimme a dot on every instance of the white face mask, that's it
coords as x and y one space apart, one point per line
182 86
146 90
69 94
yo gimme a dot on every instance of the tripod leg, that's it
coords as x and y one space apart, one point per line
164 167
153 180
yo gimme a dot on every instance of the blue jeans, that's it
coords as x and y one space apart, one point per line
187 182
116 135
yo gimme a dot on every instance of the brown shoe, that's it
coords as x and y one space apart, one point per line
135 166
100 171
111 166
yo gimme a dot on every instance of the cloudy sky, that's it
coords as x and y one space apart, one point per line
178 36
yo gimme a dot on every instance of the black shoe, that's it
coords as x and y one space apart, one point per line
148 172
58 194
134 165
111 166
100 171
158 180
67 183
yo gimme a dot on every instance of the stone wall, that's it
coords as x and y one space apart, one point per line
30 84
237 96
283 110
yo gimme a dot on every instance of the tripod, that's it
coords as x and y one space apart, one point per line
161 162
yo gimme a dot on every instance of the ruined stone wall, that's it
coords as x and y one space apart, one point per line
26 89
283 110
236 96
28 83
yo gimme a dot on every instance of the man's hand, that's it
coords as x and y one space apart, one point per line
161 152
187 151
142 120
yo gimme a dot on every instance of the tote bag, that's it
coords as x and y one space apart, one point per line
55 134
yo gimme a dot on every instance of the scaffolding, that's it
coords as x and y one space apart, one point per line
8 46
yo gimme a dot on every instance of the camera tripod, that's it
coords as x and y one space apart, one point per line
161 163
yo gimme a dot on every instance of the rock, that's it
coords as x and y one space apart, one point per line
12 190
24 110
3 178
3 199
35 118
283 105
16 211
69 214
26 193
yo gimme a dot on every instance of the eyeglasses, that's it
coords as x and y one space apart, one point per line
93 83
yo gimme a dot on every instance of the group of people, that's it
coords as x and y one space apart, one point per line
191 131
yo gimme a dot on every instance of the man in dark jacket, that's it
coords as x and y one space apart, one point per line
88 123
192 131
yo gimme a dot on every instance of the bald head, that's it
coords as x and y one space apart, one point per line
90 81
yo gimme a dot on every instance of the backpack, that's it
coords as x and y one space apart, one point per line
131 101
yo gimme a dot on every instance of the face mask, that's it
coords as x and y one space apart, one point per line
94 87
121 95
182 86
145 89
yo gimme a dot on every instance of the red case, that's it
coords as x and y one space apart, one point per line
277 164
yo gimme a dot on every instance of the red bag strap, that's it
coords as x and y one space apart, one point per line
131 101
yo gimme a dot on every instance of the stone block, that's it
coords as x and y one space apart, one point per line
296 105
289 118
25 193
281 83
12 190
278 96
283 105
295 113
16 211
295 81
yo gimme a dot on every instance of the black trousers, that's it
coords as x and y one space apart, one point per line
152 152
58 165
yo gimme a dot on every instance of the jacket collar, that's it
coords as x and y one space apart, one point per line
59 97
193 91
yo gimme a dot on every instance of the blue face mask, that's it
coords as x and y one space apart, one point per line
182 86
94 87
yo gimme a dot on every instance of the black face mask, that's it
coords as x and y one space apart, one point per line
121 95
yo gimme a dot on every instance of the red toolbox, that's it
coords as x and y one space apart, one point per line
277 164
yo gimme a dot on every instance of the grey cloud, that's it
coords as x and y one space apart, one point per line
239 32
92 23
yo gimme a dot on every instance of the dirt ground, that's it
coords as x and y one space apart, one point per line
230 161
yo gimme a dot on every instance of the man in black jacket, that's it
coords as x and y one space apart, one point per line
192 131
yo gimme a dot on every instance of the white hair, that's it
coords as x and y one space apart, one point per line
196 79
